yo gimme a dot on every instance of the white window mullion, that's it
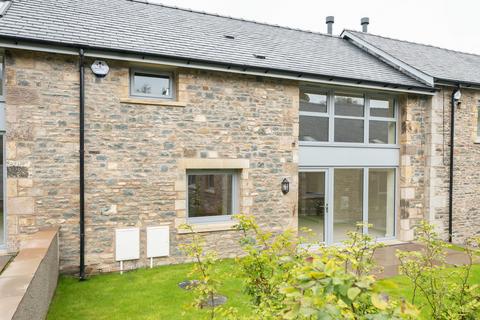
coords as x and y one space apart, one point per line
366 138
365 200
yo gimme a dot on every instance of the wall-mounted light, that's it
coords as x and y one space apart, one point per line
285 186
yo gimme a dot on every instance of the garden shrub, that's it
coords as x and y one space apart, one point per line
447 293
286 280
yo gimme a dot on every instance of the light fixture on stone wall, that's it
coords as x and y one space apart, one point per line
285 186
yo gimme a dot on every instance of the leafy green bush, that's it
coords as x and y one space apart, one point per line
287 280
447 294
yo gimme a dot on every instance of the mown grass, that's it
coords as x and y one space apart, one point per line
140 294
154 294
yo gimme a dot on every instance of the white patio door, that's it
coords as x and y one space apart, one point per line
313 205
332 201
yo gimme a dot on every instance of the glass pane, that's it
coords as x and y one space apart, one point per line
313 128
381 202
2 215
350 105
209 195
348 130
151 85
348 202
382 132
311 205
313 102
1 76
382 108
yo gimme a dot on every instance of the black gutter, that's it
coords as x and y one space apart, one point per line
452 149
82 164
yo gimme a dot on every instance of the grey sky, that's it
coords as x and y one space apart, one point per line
452 24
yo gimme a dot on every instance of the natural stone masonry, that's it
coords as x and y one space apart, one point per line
412 163
138 151
133 176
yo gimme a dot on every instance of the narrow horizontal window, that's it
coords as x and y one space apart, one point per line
151 85
313 128
382 108
349 130
349 105
212 194
313 102
382 132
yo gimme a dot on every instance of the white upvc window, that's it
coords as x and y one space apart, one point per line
2 78
151 84
343 117
212 195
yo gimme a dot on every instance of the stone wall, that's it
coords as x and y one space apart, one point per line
137 153
425 158
466 191
413 113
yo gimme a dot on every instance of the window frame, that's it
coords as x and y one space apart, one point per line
152 73
4 236
367 96
318 114
235 195
2 76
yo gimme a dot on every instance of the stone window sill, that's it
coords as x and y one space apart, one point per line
209 227
154 102
477 141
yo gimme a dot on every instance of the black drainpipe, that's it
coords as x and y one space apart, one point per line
452 148
82 165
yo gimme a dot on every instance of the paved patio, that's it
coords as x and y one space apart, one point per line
386 257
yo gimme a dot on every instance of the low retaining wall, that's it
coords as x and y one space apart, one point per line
27 285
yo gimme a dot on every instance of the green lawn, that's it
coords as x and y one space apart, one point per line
141 294
154 294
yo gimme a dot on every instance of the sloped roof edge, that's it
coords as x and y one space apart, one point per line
389 59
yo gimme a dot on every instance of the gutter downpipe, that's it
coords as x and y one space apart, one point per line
82 164
452 148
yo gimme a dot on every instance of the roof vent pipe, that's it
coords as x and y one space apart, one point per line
329 21
365 22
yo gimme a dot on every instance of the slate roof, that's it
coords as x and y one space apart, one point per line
440 63
135 26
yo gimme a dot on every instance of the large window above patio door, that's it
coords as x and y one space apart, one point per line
343 117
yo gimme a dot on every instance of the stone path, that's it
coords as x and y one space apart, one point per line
386 257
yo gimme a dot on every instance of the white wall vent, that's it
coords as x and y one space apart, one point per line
127 244
158 242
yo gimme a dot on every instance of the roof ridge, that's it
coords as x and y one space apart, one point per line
412 42
234 18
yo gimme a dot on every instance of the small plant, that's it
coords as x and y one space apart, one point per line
206 288
447 293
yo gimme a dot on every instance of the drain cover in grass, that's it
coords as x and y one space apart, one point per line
215 302
188 284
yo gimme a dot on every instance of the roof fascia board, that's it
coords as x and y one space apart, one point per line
389 59
94 53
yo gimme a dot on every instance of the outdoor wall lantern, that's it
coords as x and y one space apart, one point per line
285 186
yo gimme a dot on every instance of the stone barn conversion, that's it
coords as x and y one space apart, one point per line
119 125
